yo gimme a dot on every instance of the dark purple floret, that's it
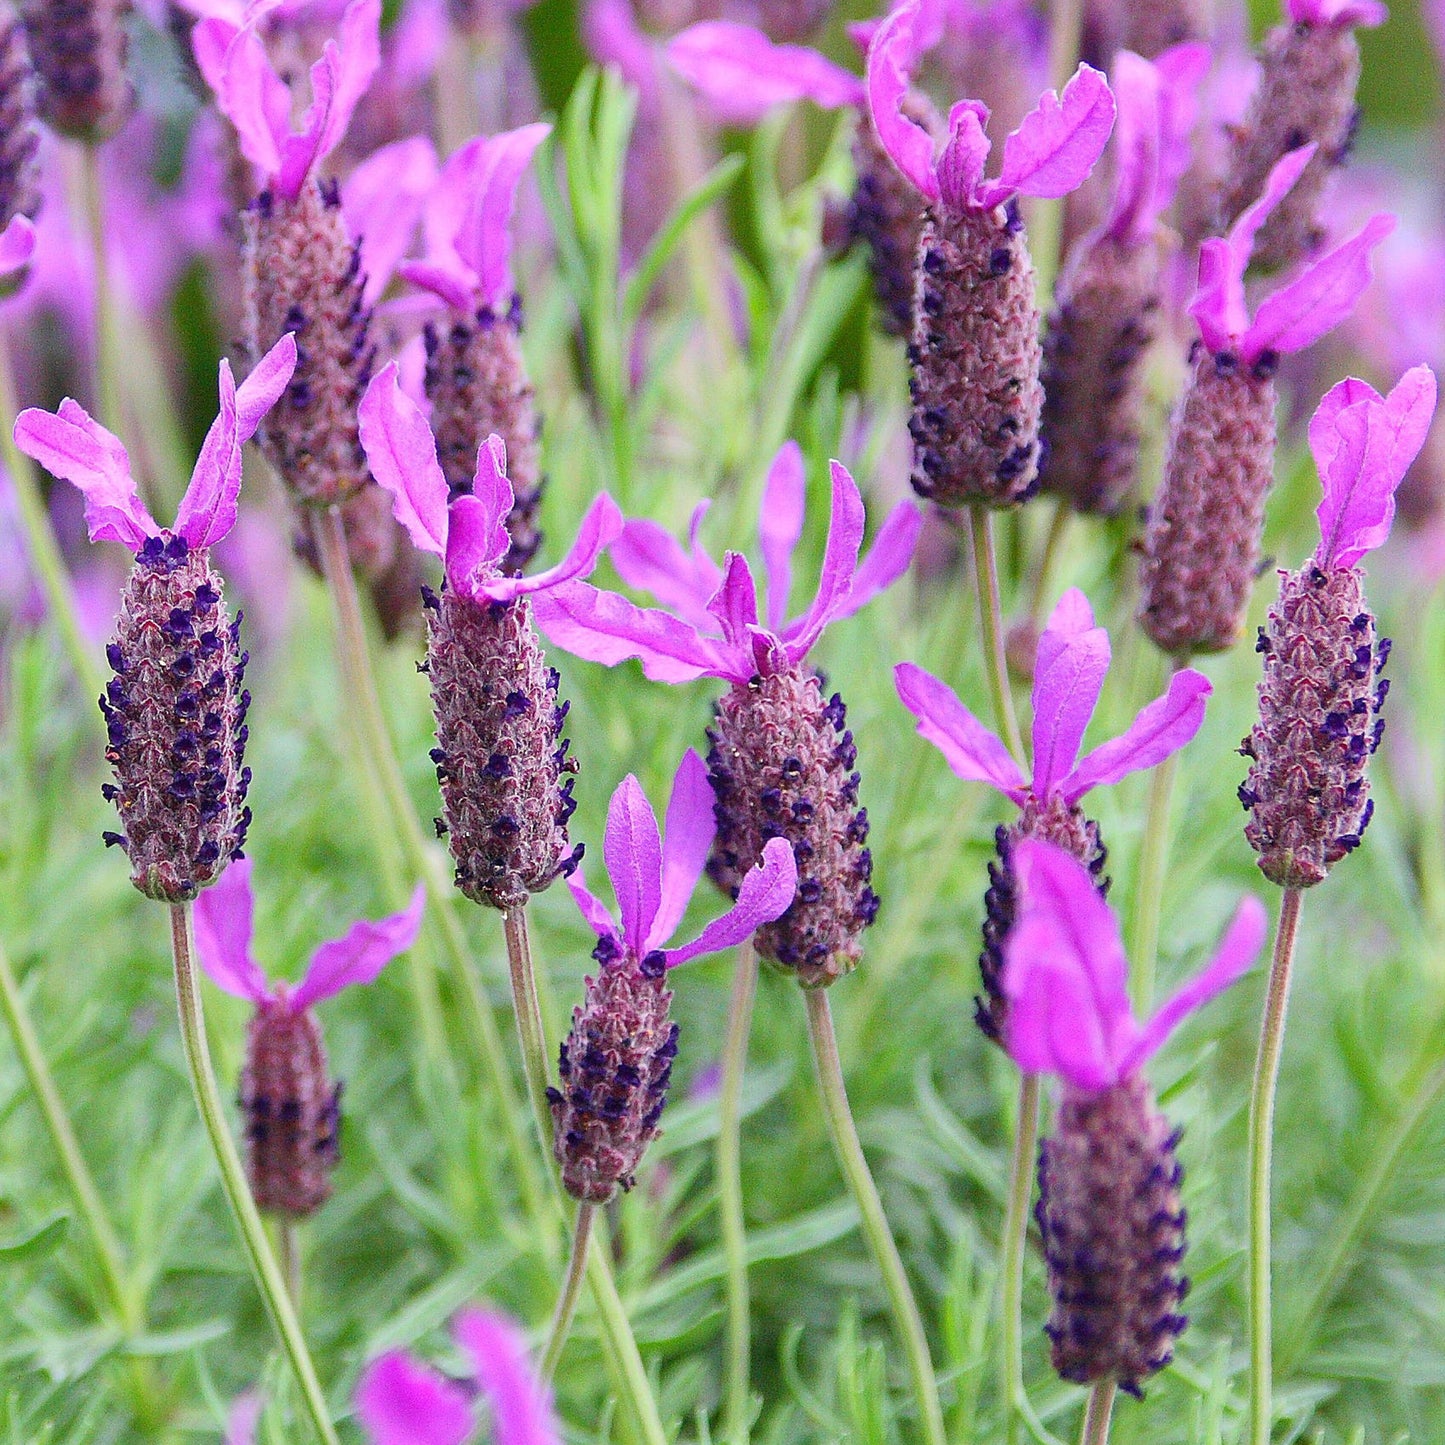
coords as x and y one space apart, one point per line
78 48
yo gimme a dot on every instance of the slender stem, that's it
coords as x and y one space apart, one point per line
906 1320
737 1400
622 1346
990 616
253 1233
1053 544
1015 1243
571 1289
1261 1130
1098 1413
107 359
531 1032
1148 901
290 1241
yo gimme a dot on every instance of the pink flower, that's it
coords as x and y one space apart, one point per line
469 532
403 1402
1051 152
1363 445
1337 12
1072 659
468 220
653 879
1298 313
713 627
73 446
1066 976
382 202
17 246
223 942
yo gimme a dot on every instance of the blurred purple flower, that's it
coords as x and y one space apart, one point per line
382 202
17 246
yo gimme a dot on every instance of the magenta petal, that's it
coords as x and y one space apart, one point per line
1136 148
887 559
17 245
600 526
965 153
1056 146
1337 12
632 852
1181 70
449 281
1318 299
743 75
687 837
735 603
780 524
223 935
477 537
242 1419
73 446
891 58
360 954
648 557
968 747
1161 728
401 1402
521 1404
484 239
402 454
1235 957
381 201
210 40
591 907
840 564
263 388
255 100
766 893
1069 671
1363 445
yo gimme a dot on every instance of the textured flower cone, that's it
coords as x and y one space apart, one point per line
304 275
1306 93
78 48
1056 823
477 384
175 715
19 195
1113 1235
1144 26
1093 374
886 215
976 356
781 766
1201 548
785 21
1308 791
292 1111
500 754
615 1066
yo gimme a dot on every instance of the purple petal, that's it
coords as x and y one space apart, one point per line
402 454
1163 727
766 894
1337 12
223 935
242 1418
17 245
1235 957
251 95
735 603
632 852
450 280
592 908
743 75
1363 445
1056 146
647 556
521 1404
1136 148
477 537
400 1401
71 445
210 40
263 388
382 201
780 524
1318 299
965 153
601 524
686 839
840 564
360 954
891 58
1069 671
484 238
887 559
968 747
1182 70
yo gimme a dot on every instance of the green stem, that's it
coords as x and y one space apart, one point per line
1053 544
1098 1413
571 1289
737 1399
290 1241
990 616
1149 899
1261 1131
253 1233
1015 1243
107 358
531 1032
907 1322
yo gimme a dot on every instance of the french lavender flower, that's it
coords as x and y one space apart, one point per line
975 350
401 1401
1147 27
1108 1208
292 1110
175 711
500 756
303 272
476 379
19 138
1201 546
1308 790
616 1062
782 760
79 48
1306 95
1073 657
1107 305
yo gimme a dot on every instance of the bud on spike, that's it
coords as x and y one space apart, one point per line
18 135
79 51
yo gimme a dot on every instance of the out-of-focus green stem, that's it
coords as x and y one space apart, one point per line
1098 1413
1015 1241
990 616
290 1243
1149 897
1053 545
531 1033
107 360
571 1289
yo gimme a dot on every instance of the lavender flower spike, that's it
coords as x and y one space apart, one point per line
500 755
1073 657
616 1062
1320 703
975 350
175 710
292 1110
1108 1210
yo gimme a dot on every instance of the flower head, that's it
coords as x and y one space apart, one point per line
1066 975
1341 13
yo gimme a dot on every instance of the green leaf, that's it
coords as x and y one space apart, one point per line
42 1240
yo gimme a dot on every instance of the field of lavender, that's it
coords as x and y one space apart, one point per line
743 788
